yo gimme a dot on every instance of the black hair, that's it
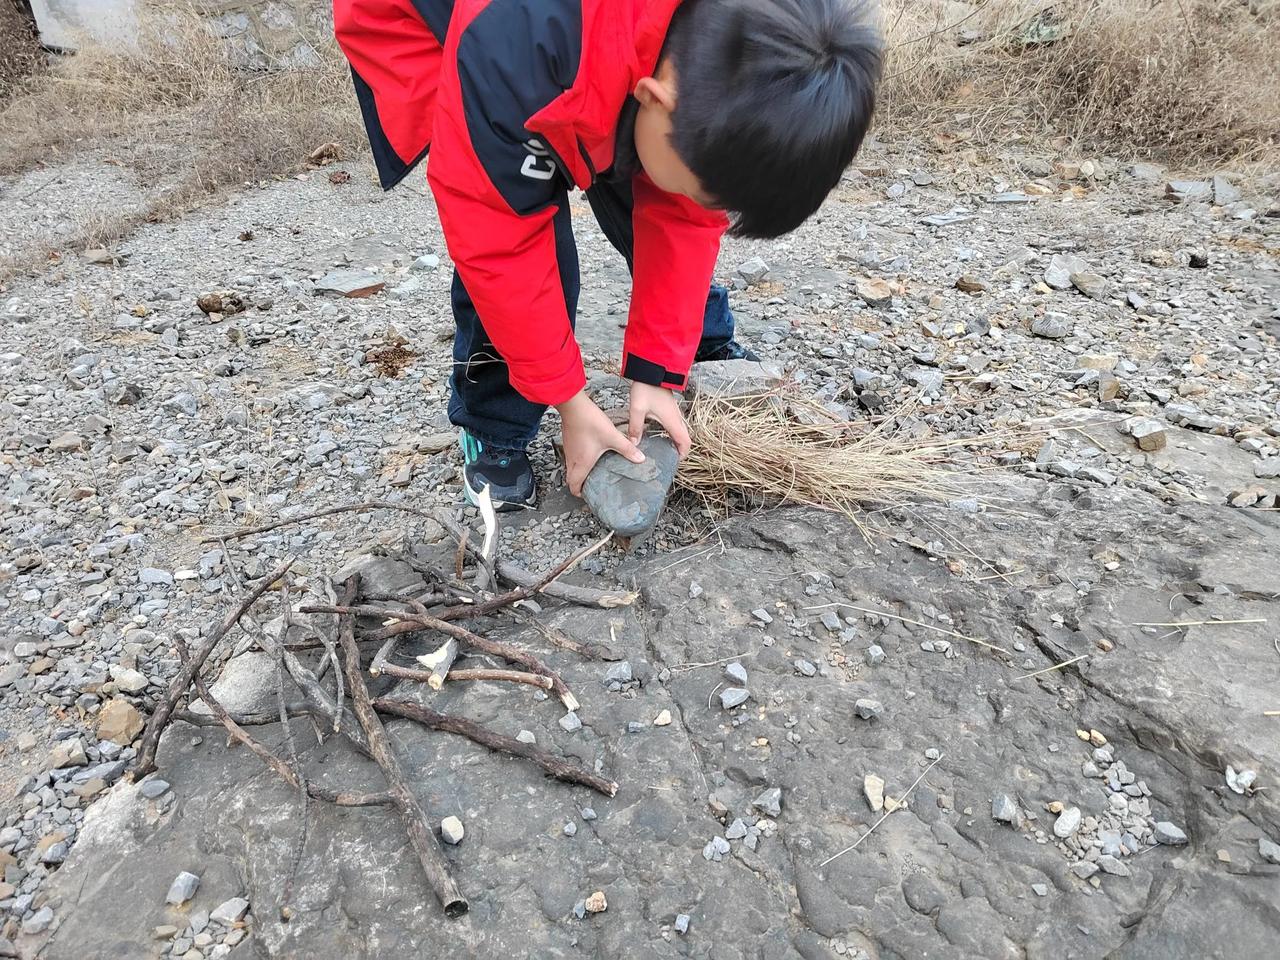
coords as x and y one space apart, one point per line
773 99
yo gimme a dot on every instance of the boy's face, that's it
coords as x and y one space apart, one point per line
657 96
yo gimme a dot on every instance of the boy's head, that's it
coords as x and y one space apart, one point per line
758 106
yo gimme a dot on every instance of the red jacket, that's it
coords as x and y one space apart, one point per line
517 100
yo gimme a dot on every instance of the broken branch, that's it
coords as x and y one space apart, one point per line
412 814
560 769
160 717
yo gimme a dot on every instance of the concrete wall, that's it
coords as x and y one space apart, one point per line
262 33
63 22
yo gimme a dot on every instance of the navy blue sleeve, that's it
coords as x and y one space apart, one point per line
515 57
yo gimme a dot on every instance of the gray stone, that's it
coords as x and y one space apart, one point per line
1084 869
867 709
1169 834
731 697
628 497
1040 889
1269 851
426 263
1109 864
526 736
763 615
451 830
1224 192
570 722
230 911
1004 808
831 620
349 283
588 813
1052 326
753 270
1181 190
1268 469
1149 435
182 889
1061 266
154 787
875 654
1068 822
184 403
737 830
769 802
682 923
154 576
805 668
727 379
618 673
1091 285
38 922
570 829
737 673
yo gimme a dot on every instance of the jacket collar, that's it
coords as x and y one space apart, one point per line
621 43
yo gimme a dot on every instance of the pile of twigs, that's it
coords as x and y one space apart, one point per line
450 597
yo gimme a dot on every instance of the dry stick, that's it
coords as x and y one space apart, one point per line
583 596
234 727
1197 623
560 769
410 622
327 512
286 895
146 761
1271 713
916 623
901 802
522 592
425 676
414 817
1056 666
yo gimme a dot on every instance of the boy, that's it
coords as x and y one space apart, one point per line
669 115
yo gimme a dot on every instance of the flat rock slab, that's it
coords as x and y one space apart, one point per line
938 877
350 283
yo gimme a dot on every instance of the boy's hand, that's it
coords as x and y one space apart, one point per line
657 403
588 433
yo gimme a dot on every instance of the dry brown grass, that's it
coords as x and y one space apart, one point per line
178 110
1181 80
781 448
20 53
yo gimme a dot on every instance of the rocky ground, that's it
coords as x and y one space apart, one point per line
787 679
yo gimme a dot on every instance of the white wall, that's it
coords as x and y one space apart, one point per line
61 21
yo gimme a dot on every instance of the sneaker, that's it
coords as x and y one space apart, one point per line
507 473
732 350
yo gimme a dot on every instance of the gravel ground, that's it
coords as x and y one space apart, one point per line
135 425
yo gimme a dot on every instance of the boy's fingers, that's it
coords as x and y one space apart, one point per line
635 429
625 447
679 434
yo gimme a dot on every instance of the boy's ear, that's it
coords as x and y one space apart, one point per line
652 92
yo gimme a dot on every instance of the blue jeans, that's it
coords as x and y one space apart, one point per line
482 400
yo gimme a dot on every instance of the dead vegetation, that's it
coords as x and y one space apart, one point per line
778 447
1177 80
181 112
20 54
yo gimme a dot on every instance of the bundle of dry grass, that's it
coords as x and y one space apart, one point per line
19 46
778 448
1183 80
177 106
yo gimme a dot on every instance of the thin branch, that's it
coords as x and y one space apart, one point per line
315 515
234 727
410 622
412 814
1056 666
146 761
901 804
560 769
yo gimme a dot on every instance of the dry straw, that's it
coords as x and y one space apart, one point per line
778 448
